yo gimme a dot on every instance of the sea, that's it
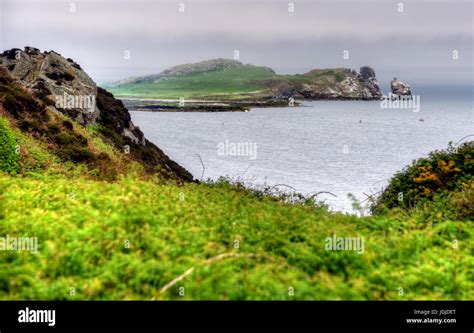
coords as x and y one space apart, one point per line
346 151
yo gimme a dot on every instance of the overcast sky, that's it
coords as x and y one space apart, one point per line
416 44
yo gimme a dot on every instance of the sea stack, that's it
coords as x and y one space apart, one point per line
400 88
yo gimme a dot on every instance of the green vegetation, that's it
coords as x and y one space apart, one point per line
83 227
129 238
223 83
230 84
441 174
8 149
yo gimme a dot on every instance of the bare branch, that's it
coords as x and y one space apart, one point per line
203 166
322 192
283 185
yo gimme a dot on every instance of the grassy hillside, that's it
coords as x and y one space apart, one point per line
243 79
83 227
234 83
100 148
141 237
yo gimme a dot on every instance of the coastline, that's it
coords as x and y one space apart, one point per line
209 105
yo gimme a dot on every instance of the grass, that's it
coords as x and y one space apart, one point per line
128 239
8 148
244 79
232 83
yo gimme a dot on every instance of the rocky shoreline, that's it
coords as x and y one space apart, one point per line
339 84
221 85
158 105
150 105
399 90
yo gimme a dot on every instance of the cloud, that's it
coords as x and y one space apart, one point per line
419 40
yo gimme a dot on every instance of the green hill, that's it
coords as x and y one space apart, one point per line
219 83
229 80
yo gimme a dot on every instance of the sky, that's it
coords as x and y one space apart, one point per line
413 40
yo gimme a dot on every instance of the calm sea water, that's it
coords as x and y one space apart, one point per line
338 146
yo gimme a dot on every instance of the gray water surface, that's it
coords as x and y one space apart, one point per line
337 146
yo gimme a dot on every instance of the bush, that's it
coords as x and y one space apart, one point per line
76 154
339 77
8 147
447 170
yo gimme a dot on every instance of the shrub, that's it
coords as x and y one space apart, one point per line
8 147
442 171
69 138
76 154
339 77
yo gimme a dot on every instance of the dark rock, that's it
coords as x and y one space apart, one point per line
367 73
41 89
283 89
10 54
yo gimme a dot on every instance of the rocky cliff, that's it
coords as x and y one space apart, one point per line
338 83
56 85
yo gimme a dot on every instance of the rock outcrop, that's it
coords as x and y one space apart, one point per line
367 75
330 84
61 86
53 78
399 88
